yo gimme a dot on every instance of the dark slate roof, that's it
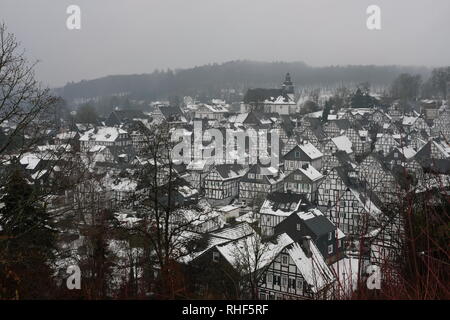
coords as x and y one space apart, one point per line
320 225
313 122
120 116
343 124
286 201
228 171
438 166
170 111
260 95
319 133
424 154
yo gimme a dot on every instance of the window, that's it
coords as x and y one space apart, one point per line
330 236
299 283
262 296
251 176
258 176
269 278
284 281
299 226
215 256
330 249
284 260
291 284
276 280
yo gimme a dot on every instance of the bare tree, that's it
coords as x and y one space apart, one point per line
166 220
22 99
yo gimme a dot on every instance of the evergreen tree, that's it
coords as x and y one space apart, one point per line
326 110
26 243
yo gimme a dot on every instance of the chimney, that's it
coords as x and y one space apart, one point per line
307 246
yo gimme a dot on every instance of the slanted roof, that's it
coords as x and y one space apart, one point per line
343 144
247 248
316 221
171 111
308 152
259 95
314 269
230 171
309 172
283 204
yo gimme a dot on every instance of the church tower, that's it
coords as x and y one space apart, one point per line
288 87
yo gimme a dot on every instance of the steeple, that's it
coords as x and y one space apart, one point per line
288 87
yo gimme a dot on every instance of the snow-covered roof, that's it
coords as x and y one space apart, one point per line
216 108
409 121
249 254
343 144
314 269
124 185
66 135
310 214
442 147
311 150
247 217
229 208
279 100
197 165
102 134
234 232
38 174
311 173
97 148
281 204
30 160
408 152
238 118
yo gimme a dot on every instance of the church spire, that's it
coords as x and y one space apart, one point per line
288 87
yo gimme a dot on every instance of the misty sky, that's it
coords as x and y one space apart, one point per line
137 36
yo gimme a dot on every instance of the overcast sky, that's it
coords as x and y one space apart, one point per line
137 36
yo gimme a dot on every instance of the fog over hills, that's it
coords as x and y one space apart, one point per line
211 79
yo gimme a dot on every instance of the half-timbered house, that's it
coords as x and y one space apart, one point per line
221 184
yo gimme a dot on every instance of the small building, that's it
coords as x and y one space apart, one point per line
302 154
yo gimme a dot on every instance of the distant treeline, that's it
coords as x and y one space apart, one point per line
211 80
